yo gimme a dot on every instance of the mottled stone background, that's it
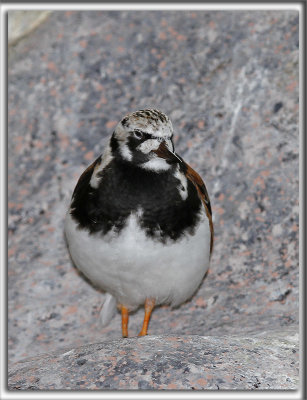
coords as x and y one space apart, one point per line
229 82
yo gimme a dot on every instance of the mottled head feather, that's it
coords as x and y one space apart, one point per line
151 121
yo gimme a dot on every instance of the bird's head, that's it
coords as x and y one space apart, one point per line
144 138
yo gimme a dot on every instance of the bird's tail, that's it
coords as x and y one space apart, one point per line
108 310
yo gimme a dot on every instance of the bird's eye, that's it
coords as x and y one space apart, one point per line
138 134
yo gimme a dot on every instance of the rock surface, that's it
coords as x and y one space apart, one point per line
166 362
229 82
21 23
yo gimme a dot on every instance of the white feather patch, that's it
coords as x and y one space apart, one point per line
183 185
148 145
108 310
132 266
105 160
124 151
156 164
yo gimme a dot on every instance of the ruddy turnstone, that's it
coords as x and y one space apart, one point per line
140 222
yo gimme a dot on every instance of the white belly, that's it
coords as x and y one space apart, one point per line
132 266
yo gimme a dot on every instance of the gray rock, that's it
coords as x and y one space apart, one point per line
22 23
229 82
166 362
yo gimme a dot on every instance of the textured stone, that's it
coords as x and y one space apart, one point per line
21 23
166 362
229 82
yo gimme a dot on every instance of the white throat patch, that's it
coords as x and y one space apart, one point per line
156 164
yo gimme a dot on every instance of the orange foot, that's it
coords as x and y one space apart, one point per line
149 305
125 318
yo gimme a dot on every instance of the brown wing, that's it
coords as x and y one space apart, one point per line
203 194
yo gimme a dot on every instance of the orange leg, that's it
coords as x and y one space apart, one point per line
149 305
125 317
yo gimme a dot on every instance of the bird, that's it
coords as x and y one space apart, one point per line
139 225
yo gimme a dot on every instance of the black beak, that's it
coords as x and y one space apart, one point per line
164 152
